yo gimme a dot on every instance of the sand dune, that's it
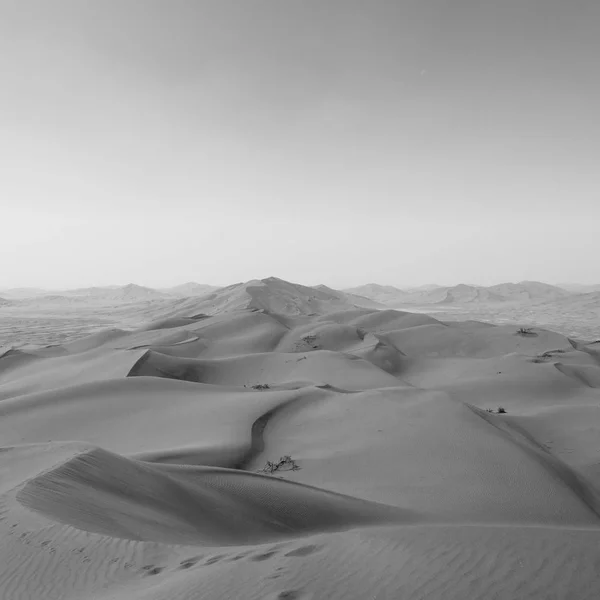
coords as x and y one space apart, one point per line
321 367
57 372
149 415
133 460
105 493
588 374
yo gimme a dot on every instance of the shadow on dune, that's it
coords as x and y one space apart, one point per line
106 493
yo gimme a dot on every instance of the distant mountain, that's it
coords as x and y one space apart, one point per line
578 302
24 292
528 291
353 298
126 293
186 290
466 294
525 291
579 288
379 293
52 300
101 295
135 293
428 287
88 292
389 294
431 294
272 295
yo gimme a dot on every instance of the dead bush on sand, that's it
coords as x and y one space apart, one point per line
285 463
526 331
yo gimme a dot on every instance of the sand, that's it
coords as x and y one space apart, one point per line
132 460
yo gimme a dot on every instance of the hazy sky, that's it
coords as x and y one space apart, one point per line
337 142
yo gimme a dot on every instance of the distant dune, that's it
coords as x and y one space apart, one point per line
270 440
126 293
371 295
271 295
380 293
529 290
17 293
525 291
579 288
191 288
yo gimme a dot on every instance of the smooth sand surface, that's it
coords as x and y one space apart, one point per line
132 461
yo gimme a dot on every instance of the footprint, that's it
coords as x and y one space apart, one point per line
152 570
291 595
304 550
261 557
213 559
238 557
190 562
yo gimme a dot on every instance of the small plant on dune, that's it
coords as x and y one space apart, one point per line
261 386
501 410
285 463
525 331
311 340
307 340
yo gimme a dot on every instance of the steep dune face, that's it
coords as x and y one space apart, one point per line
320 448
104 493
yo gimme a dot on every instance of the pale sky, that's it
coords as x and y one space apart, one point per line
337 142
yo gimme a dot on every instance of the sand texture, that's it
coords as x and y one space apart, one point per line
134 462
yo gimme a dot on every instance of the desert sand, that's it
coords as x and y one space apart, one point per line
134 461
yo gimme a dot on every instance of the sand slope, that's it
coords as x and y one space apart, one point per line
131 460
